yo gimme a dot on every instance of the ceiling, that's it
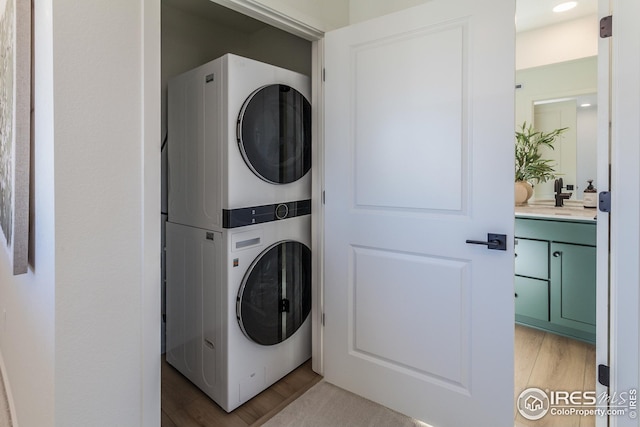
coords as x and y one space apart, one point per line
531 14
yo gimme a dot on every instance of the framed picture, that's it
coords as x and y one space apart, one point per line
15 129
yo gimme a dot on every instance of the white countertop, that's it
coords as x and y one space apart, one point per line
572 210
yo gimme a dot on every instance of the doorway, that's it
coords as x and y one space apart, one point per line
555 88
197 31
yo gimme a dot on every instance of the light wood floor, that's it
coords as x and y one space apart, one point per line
542 360
184 405
549 361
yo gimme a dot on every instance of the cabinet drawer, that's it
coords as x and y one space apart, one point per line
582 233
532 298
532 258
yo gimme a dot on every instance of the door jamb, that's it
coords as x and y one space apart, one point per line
317 207
603 274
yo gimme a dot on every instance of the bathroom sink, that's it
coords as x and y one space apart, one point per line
573 210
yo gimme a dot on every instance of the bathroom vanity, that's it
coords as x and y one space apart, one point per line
555 266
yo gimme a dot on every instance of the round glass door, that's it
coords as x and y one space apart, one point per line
275 295
274 134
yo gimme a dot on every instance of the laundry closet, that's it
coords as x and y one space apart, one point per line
236 118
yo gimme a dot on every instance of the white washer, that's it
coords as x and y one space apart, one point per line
239 138
238 306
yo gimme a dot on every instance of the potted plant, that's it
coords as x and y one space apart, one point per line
530 167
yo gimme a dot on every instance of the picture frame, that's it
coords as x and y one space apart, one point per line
15 129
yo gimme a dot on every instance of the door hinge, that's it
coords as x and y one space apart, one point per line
322 319
604 201
324 75
323 197
606 27
603 375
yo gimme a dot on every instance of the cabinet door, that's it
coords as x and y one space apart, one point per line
532 258
573 286
532 298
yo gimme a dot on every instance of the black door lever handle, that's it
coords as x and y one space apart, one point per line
496 242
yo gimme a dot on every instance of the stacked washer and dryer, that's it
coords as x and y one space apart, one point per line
239 231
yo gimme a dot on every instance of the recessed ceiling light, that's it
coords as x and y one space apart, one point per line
585 105
563 7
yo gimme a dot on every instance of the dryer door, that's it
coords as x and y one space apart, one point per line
274 134
275 295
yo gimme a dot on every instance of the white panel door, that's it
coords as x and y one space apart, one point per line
418 159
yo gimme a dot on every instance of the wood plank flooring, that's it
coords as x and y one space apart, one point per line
542 360
184 405
553 362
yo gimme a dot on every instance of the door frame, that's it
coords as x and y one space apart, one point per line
603 225
625 207
317 209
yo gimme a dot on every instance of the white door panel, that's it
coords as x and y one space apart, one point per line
394 135
388 324
418 159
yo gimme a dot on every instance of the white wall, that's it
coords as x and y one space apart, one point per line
74 342
557 43
27 334
101 167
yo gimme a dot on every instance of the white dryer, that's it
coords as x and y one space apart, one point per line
239 144
238 305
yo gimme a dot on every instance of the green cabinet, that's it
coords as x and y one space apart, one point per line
573 270
532 258
555 283
532 298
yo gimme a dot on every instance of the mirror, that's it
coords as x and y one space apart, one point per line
555 96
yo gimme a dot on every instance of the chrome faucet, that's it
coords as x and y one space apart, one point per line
558 185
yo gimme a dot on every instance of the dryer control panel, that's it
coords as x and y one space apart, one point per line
258 214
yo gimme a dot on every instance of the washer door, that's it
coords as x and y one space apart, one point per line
274 134
275 295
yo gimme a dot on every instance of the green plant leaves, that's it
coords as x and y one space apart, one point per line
529 164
